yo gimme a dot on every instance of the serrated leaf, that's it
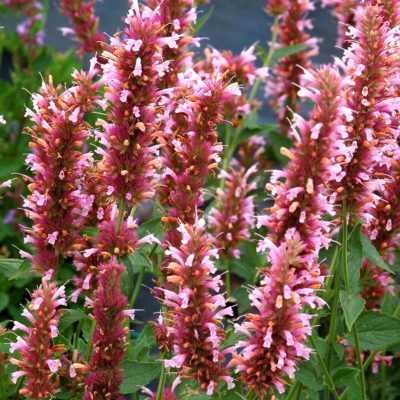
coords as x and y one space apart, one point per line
372 254
10 266
138 374
137 260
352 305
69 317
287 51
310 375
377 331
144 343
152 226
344 376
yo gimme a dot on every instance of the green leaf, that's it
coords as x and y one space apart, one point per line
352 305
91 231
151 226
138 374
309 374
287 51
69 317
10 266
202 20
4 300
372 254
277 142
137 260
344 376
260 130
144 343
377 331
355 257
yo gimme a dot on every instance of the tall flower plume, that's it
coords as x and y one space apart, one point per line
233 215
190 146
85 25
38 361
110 311
284 86
132 75
276 334
56 204
195 309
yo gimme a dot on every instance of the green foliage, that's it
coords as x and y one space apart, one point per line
138 374
352 305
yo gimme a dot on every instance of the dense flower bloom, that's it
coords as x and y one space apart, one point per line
284 86
276 335
371 65
239 68
82 16
190 146
177 17
56 204
233 215
132 75
195 309
109 311
31 29
38 361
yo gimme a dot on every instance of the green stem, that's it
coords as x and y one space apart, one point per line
89 345
299 392
228 282
138 284
161 382
354 329
121 209
293 390
250 395
326 372
77 333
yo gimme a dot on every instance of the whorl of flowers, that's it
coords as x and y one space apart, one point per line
177 17
233 215
109 311
190 146
195 309
56 204
390 11
239 68
344 12
284 86
85 25
276 334
38 360
371 64
31 29
132 75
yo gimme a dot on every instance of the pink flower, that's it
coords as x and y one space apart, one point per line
233 215
195 309
35 347
109 310
82 16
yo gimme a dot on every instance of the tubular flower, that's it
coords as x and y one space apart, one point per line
190 146
277 7
177 17
344 12
31 29
82 16
195 309
390 11
132 75
233 216
284 86
109 311
234 68
371 65
168 393
277 333
39 361
56 204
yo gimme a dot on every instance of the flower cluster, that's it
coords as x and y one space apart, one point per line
190 146
56 204
276 335
195 309
82 17
283 87
239 68
167 394
31 29
233 215
277 7
38 361
132 75
109 311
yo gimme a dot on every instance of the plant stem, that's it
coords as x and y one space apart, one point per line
89 345
354 329
326 372
228 282
121 209
300 389
77 333
161 382
136 290
250 395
